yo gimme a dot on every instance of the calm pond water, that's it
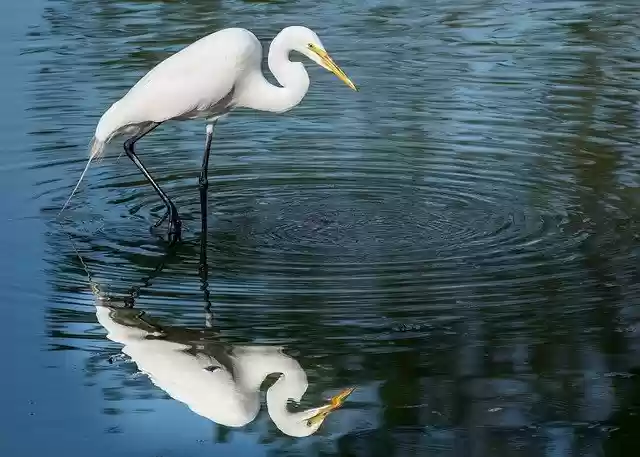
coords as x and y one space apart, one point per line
459 240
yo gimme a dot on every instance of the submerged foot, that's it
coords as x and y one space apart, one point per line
175 225
162 219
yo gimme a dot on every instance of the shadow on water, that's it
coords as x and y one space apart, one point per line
459 240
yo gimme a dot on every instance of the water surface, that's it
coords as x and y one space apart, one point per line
458 240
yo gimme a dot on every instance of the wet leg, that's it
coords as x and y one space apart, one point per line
175 224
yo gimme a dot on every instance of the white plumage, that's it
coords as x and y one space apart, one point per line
188 84
206 80
219 382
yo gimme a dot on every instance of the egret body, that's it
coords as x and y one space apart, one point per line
205 81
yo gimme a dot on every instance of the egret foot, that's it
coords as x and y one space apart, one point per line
161 220
174 233
175 226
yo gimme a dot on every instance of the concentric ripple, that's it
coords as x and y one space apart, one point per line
463 172
459 239
412 237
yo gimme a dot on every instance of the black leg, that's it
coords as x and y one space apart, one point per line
203 185
175 224
203 181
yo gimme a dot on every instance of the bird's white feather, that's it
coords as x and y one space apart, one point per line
206 80
200 381
95 150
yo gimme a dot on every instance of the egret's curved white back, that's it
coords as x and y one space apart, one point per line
206 80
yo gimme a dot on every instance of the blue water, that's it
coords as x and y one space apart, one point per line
458 240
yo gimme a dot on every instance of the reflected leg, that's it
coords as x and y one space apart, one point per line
134 291
175 224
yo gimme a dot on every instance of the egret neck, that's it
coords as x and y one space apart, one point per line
261 95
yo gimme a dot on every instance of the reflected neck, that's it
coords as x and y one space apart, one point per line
284 389
258 363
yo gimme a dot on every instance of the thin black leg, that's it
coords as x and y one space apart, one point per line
203 185
175 224
203 181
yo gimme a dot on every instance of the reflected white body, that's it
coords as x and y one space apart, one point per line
192 374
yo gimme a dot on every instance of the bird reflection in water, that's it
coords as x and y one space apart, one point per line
215 380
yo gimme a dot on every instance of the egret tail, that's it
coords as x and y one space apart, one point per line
97 147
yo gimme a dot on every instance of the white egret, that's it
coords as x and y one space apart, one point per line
216 381
206 80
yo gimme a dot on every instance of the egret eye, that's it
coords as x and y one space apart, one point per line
311 46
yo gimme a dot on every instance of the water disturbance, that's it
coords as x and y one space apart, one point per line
459 240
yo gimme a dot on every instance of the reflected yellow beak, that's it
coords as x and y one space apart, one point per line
328 63
335 403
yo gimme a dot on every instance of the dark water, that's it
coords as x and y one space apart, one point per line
459 240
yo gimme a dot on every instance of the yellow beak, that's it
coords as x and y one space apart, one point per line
328 63
335 403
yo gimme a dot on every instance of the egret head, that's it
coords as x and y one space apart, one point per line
302 423
316 416
307 43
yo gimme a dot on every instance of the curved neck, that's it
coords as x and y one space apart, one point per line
289 386
257 364
261 95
